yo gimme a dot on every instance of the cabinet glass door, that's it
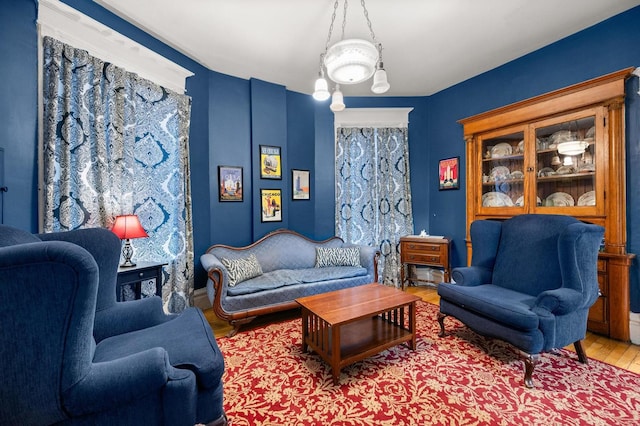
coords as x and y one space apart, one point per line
502 159
566 164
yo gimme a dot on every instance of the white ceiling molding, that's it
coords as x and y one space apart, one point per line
372 117
64 23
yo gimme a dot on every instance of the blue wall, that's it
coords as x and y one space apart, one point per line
232 116
18 111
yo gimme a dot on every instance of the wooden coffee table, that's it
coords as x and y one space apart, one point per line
359 321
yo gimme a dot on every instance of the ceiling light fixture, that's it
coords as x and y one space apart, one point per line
350 61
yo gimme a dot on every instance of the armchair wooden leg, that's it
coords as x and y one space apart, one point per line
222 421
441 318
530 362
582 355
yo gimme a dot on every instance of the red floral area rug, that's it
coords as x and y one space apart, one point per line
461 379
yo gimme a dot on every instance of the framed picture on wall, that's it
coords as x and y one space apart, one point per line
229 183
300 184
271 205
270 162
448 171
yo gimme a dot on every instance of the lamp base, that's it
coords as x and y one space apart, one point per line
127 252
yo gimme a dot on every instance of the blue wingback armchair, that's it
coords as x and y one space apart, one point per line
72 355
531 283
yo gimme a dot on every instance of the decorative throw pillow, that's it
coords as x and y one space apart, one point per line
337 256
242 269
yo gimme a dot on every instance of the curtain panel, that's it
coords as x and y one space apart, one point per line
373 193
114 143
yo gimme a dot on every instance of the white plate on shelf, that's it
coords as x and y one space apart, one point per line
562 136
587 168
499 173
559 199
565 170
587 199
517 174
501 150
496 199
520 201
547 171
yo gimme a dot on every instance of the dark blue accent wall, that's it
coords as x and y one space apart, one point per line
230 145
300 156
268 127
18 111
231 117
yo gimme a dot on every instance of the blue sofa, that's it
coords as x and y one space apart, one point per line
531 283
73 355
288 271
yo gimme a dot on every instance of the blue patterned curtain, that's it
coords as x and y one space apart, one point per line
373 194
114 143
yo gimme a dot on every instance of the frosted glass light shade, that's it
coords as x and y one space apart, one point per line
351 61
337 101
321 92
380 83
572 147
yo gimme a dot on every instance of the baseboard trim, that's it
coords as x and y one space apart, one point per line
634 327
200 299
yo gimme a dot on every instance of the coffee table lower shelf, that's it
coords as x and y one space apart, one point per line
358 339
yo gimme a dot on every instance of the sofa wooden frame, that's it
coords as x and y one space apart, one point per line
237 319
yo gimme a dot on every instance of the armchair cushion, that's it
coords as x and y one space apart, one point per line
508 307
187 339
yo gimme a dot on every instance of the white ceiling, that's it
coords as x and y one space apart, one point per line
429 45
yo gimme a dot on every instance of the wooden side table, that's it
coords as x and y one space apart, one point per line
424 251
137 282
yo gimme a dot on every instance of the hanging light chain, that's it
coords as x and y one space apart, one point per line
344 18
366 15
333 19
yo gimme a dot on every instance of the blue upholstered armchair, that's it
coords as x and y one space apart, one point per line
71 354
531 283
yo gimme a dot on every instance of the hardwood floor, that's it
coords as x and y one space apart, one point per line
620 354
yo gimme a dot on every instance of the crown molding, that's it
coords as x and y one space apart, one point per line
64 23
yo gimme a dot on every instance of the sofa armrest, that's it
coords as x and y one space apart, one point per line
559 301
219 279
471 276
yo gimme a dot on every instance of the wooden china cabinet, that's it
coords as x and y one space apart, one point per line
560 153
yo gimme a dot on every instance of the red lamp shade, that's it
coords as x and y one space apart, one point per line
128 226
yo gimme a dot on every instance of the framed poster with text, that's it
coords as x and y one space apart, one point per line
270 162
271 205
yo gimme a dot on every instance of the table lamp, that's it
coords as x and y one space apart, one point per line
127 227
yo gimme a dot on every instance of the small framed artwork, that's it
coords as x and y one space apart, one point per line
270 162
271 205
300 184
230 183
448 173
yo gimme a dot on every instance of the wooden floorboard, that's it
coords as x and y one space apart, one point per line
621 354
